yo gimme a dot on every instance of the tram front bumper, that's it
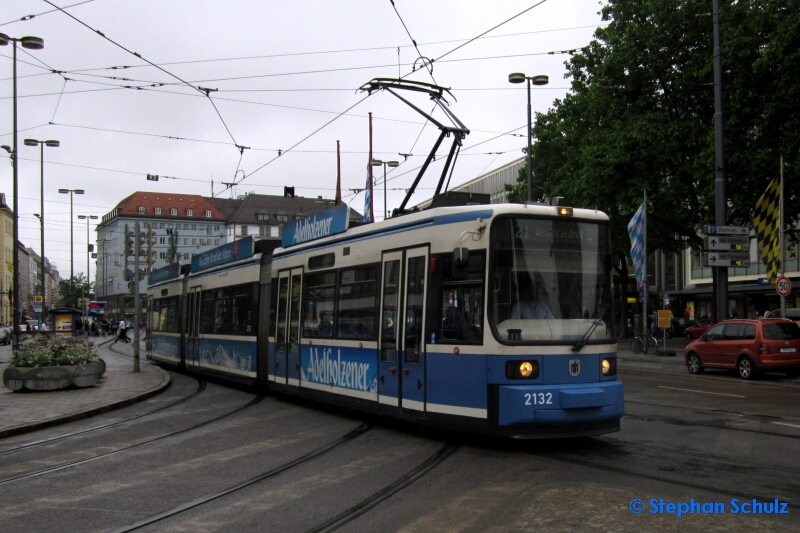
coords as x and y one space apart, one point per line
560 404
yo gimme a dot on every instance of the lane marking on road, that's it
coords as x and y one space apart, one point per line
701 391
787 424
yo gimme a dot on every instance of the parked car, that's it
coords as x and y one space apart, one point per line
791 314
696 331
749 346
5 335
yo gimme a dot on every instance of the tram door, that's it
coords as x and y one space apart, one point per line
287 334
193 327
401 374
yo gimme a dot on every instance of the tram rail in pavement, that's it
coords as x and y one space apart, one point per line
23 412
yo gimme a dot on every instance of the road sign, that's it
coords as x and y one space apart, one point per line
726 259
715 243
152 177
783 286
664 318
37 303
726 230
763 281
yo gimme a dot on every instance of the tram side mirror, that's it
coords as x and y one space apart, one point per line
460 263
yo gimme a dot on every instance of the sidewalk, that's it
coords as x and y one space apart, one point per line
627 359
21 412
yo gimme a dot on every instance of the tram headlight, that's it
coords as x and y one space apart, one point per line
609 366
522 369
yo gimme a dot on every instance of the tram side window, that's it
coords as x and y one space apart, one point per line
165 315
462 301
358 289
319 300
244 307
229 311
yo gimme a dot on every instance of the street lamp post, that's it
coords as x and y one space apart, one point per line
31 43
88 272
393 164
541 79
71 242
42 144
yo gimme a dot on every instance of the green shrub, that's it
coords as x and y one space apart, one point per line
54 350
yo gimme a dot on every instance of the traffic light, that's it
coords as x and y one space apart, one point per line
128 241
141 240
127 275
151 240
130 287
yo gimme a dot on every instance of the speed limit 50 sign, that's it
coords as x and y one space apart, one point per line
783 286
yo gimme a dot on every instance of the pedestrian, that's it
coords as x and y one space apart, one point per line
125 327
43 327
120 332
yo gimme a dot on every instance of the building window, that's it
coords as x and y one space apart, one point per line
194 227
161 225
208 213
158 210
173 211
262 216
185 241
162 255
243 231
216 242
141 210
186 226
281 218
194 242
216 228
162 240
188 212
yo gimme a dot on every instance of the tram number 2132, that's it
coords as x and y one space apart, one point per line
541 398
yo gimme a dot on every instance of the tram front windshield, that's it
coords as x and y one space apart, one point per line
550 281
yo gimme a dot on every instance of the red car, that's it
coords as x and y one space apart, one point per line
696 331
749 346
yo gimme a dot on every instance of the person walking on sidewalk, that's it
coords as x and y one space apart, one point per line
121 334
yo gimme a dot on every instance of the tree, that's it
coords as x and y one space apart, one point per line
72 289
640 116
172 248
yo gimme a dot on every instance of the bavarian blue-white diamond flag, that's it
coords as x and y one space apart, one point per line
636 229
368 216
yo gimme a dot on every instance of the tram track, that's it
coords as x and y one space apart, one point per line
387 492
340 520
201 387
322 450
71 464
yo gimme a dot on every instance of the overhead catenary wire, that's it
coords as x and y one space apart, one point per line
98 32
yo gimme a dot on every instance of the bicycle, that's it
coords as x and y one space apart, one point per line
647 346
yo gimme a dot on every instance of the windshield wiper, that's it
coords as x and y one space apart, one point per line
581 343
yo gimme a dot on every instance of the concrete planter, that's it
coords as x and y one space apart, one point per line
46 378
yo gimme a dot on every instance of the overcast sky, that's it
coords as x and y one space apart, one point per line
282 71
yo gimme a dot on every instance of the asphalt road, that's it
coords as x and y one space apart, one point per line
711 438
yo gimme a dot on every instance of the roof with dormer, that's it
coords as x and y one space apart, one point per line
148 204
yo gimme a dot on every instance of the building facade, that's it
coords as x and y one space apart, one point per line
182 225
7 279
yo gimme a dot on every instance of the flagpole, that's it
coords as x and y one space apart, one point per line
338 197
644 276
369 166
780 241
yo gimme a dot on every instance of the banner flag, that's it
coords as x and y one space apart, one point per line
766 219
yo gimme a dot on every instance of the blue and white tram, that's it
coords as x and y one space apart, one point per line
165 304
223 295
418 317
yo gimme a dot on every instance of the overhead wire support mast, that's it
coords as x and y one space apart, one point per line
436 93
